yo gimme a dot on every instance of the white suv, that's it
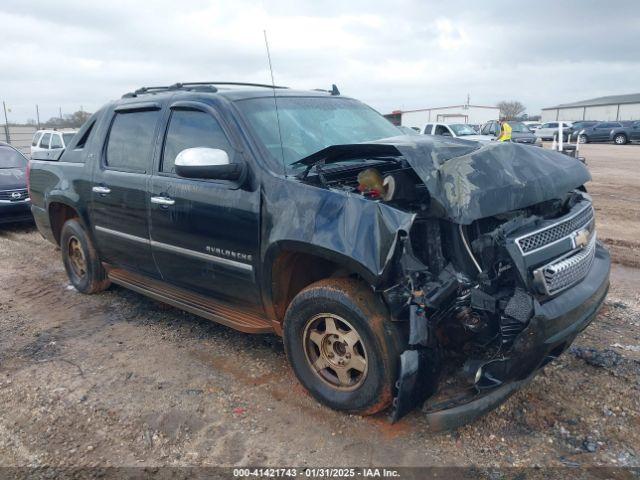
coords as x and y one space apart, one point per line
51 140
456 130
546 131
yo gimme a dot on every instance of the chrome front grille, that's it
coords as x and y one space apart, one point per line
541 238
14 195
567 271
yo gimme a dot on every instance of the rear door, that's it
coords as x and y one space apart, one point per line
36 140
602 130
442 130
55 146
205 234
44 143
550 129
634 131
119 210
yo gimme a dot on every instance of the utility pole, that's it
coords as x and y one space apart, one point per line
38 116
60 112
6 122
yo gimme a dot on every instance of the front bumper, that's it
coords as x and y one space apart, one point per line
553 327
11 212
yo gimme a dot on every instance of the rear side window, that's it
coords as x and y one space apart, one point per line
36 137
190 129
44 143
56 141
131 140
427 128
84 133
441 130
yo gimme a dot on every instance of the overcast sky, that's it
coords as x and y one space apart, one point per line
400 54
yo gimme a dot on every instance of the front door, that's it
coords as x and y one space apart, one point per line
119 209
205 234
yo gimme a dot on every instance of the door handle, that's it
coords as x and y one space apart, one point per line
163 200
101 190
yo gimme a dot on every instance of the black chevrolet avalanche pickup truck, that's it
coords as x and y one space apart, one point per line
401 271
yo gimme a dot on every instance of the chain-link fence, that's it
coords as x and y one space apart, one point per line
19 136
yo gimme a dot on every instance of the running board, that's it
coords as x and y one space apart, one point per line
244 320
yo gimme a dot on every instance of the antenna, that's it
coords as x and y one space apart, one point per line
275 100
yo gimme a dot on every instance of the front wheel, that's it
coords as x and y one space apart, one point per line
620 139
583 138
342 346
81 259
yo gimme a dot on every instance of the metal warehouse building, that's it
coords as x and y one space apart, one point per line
614 107
476 114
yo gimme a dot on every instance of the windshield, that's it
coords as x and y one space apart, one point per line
518 127
460 129
9 158
309 124
67 138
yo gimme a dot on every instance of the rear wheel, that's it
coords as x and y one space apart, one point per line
620 139
342 346
81 259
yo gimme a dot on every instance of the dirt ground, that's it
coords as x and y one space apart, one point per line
118 379
616 193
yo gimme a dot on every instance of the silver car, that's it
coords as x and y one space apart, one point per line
549 129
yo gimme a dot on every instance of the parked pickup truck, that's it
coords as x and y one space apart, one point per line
400 270
625 134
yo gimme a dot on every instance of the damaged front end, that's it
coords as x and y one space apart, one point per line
498 273
514 291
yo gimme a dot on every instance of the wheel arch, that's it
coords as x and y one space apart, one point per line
59 212
290 266
623 134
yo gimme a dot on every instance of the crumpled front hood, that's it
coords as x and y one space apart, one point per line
471 180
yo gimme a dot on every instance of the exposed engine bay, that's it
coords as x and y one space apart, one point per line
469 291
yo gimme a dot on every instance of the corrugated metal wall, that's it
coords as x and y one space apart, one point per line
629 111
601 112
449 115
18 136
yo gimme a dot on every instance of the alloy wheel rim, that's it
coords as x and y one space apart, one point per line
619 139
76 257
335 351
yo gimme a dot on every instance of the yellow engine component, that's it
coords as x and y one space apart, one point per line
370 182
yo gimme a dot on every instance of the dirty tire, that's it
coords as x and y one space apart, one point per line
381 339
74 244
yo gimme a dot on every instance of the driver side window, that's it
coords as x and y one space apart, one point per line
190 129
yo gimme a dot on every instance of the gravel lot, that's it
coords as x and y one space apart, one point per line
118 379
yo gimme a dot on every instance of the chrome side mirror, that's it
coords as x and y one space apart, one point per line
211 163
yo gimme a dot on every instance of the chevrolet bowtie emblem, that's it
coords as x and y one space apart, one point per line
581 238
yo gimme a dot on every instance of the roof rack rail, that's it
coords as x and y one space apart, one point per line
334 90
196 86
